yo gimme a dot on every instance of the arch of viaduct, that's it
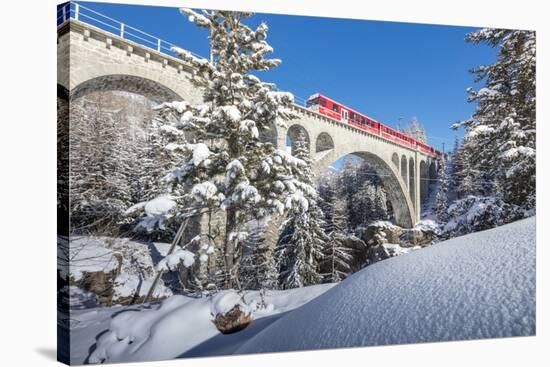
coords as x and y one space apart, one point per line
90 59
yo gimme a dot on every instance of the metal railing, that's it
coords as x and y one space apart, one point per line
79 12
76 11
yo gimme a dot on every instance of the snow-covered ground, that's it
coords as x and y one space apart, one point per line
177 327
477 286
134 261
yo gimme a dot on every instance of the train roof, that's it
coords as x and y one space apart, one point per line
359 113
343 105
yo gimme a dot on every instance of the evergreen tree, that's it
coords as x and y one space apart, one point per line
337 256
380 207
415 130
499 143
363 204
300 247
441 200
100 164
223 160
347 187
466 178
360 187
261 270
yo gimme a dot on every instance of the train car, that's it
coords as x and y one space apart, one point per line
334 110
425 148
397 137
330 108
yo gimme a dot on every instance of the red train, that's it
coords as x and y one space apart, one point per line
327 107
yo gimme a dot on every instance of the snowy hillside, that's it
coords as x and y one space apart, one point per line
476 286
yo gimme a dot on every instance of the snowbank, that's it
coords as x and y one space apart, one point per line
86 255
128 267
182 326
477 286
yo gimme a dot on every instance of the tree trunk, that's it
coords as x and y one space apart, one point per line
176 240
230 269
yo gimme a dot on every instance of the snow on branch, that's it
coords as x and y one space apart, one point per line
172 261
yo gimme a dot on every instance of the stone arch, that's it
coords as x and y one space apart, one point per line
433 170
402 207
424 181
293 132
412 188
179 83
323 142
151 89
404 169
403 210
395 160
432 174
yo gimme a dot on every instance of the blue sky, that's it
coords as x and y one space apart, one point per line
386 70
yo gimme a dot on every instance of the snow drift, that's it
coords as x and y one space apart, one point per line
178 326
476 286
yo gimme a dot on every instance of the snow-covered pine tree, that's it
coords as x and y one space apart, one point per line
249 269
415 130
347 186
264 264
380 207
363 203
467 179
223 161
300 248
154 162
63 148
500 136
441 203
336 256
100 161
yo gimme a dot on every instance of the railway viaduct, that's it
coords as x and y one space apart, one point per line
92 59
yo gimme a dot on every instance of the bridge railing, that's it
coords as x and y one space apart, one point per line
77 11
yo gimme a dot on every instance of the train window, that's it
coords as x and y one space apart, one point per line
351 116
323 102
335 107
312 102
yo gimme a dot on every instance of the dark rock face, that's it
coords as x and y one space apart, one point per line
378 233
98 283
359 250
234 320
